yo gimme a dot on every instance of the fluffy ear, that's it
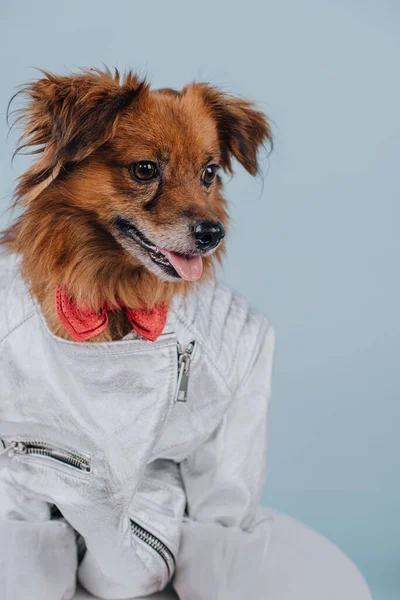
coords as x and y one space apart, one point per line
242 129
66 118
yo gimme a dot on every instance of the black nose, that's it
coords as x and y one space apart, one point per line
208 234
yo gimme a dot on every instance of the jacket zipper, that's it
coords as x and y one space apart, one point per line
42 449
185 356
156 544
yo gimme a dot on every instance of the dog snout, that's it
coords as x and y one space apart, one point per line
208 234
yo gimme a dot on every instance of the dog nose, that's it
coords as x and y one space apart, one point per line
208 234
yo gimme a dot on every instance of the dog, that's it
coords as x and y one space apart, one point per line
125 203
134 387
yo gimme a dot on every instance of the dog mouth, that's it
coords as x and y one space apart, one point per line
180 266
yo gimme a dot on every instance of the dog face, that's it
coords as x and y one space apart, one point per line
160 190
137 168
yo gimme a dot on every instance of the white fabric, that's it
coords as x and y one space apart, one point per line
300 565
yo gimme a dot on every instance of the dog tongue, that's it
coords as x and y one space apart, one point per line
189 268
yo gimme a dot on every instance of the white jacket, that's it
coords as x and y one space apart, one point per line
160 477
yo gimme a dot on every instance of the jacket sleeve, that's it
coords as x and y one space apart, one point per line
225 535
38 556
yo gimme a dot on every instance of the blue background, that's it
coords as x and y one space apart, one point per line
315 246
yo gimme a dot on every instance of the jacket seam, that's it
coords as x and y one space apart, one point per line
29 316
61 472
123 351
264 332
158 484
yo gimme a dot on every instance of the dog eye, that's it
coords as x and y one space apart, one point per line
144 170
209 174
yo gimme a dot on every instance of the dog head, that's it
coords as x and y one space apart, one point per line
134 171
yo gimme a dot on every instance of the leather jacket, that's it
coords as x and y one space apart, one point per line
154 453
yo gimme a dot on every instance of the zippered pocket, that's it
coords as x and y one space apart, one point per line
43 449
156 544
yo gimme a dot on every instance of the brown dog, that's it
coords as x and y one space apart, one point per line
124 205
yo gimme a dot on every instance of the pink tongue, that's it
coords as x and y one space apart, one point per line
188 268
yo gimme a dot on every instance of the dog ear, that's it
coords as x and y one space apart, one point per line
241 128
67 118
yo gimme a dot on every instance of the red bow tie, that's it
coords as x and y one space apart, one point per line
83 324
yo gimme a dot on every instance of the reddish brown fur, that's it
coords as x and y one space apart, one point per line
88 128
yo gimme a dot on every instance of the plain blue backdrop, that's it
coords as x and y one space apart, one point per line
315 245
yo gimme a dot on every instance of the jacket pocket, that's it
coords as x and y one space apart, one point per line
47 452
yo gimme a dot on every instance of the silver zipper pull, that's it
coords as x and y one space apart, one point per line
13 448
184 360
